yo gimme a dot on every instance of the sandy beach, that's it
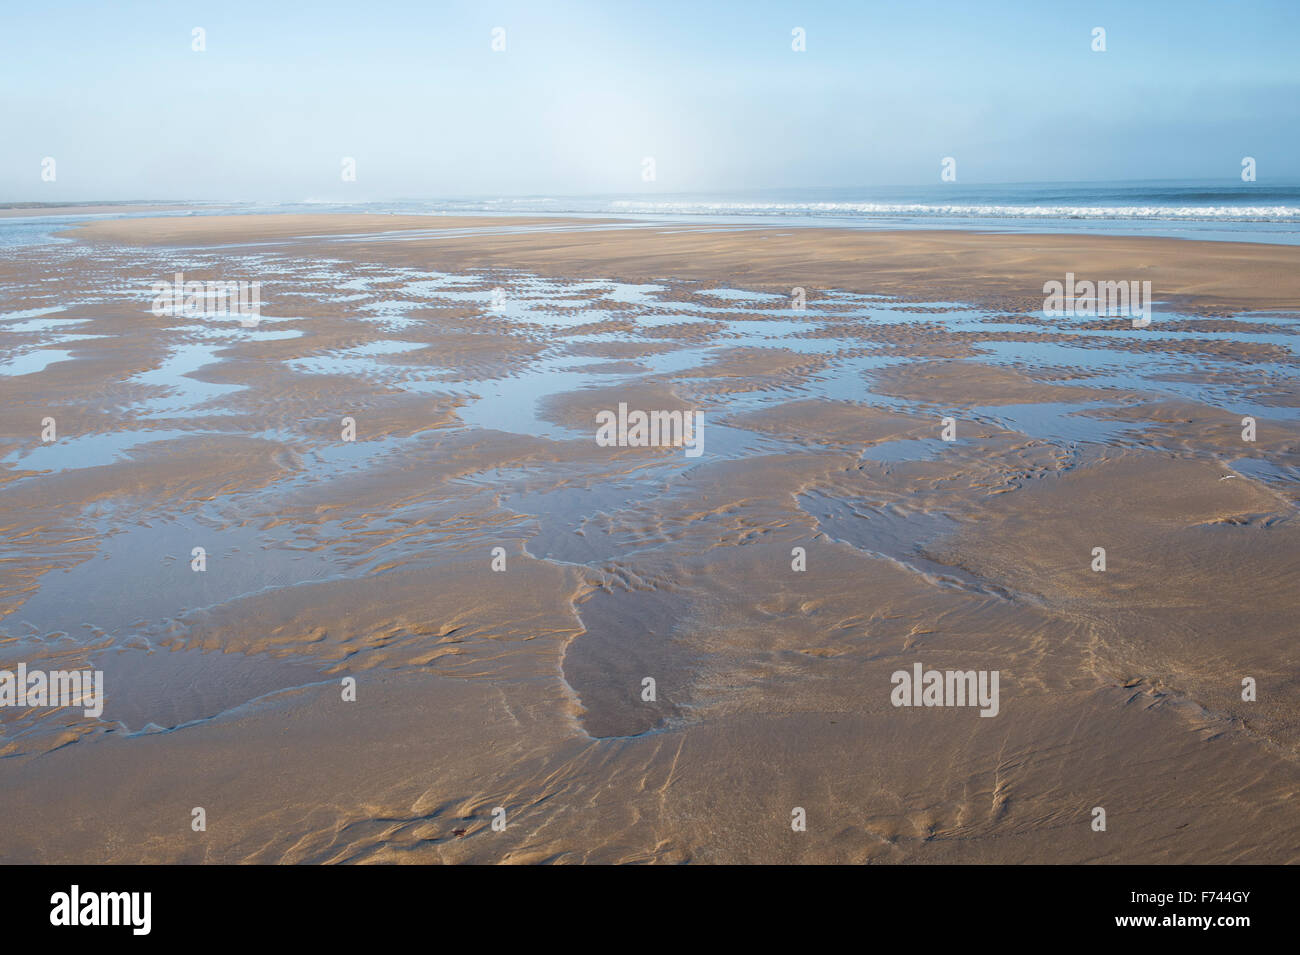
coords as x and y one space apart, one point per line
499 585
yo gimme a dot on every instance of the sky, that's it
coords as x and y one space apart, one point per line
584 92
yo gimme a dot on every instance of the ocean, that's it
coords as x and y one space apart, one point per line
1202 209
1223 210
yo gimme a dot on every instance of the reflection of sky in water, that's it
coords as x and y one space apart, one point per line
31 353
741 295
394 301
29 363
1058 420
27 313
89 450
1266 471
185 392
765 320
37 325
512 404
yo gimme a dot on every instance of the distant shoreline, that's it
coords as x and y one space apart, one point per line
32 210
1001 270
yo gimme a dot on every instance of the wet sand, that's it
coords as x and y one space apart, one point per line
522 688
937 266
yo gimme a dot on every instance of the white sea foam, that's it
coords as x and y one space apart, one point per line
1221 213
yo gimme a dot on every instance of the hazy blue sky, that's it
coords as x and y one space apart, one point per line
585 90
